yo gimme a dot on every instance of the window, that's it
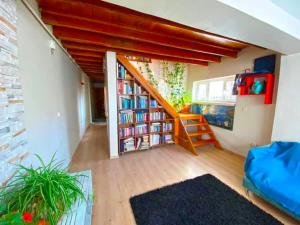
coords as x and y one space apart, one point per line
214 90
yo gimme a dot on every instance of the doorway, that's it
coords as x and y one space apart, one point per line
98 103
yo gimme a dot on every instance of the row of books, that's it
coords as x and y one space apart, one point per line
153 103
142 102
125 87
137 89
121 71
126 102
157 116
167 139
154 139
167 127
126 117
126 132
143 143
141 129
155 127
141 117
127 145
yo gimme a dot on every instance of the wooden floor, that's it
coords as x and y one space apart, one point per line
115 181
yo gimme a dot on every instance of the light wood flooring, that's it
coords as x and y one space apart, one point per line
115 181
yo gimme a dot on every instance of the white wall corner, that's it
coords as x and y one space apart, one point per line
111 87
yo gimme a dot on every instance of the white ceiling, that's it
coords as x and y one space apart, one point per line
290 6
259 22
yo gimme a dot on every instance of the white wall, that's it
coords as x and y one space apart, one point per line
111 107
55 102
253 120
287 116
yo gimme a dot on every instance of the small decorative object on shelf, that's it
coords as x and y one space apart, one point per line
258 84
143 122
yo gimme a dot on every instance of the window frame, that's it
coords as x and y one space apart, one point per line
222 101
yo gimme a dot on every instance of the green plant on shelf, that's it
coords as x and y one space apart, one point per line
46 192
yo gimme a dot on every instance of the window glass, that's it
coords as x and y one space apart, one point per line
214 90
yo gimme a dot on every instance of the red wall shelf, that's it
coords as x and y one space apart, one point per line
268 92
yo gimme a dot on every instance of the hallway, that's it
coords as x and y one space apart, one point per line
115 181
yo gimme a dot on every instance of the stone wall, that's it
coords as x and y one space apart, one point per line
13 141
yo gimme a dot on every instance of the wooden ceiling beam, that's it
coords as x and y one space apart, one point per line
68 21
85 59
102 11
90 47
86 53
89 65
67 34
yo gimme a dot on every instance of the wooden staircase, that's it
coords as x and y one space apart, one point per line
190 130
194 131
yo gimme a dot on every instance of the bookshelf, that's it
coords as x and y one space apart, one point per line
142 122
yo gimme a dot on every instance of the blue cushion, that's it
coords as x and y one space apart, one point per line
275 171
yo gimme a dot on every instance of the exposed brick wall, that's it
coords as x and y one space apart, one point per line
13 141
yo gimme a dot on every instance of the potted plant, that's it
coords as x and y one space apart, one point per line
45 193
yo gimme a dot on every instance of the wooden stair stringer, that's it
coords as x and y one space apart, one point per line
184 139
202 128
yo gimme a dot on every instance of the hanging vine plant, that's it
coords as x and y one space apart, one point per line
174 80
172 75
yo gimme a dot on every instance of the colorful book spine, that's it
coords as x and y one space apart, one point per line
141 117
167 139
155 127
121 71
142 102
167 127
154 116
126 103
141 129
126 132
154 139
153 104
126 117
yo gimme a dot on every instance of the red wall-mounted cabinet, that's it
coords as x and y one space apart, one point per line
268 90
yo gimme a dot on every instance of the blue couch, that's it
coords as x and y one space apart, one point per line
273 173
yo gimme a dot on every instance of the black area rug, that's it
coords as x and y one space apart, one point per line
201 201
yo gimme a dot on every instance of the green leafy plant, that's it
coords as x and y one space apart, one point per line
14 218
151 75
47 192
174 79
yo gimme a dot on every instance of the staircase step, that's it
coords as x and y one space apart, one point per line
190 116
199 133
203 142
195 124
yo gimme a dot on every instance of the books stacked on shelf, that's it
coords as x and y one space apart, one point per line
125 87
126 102
155 127
141 116
126 117
154 139
143 143
127 145
167 127
153 103
137 89
121 71
157 116
142 102
126 132
167 138
141 129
